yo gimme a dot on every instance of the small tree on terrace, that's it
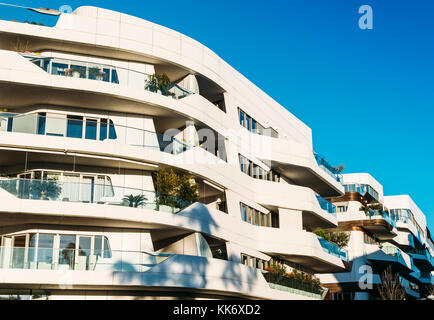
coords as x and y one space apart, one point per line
390 288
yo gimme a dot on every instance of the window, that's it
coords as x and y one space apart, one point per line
253 261
255 171
254 126
241 115
243 212
256 217
42 119
341 208
91 129
74 127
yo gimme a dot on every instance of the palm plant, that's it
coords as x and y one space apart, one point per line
135 200
46 189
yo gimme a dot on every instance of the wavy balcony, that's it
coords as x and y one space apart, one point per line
78 259
333 249
295 286
106 73
127 270
74 127
50 190
377 222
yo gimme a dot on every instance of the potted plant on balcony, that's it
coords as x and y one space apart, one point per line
96 73
160 83
46 189
135 200
74 72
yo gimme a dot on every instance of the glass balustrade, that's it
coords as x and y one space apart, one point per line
105 73
375 214
78 259
327 167
90 129
361 189
391 251
326 205
54 190
333 249
293 285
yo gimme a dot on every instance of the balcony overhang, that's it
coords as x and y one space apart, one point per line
314 263
306 176
422 262
379 227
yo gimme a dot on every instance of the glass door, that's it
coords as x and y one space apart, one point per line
45 251
84 252
67 245
19 252
87 189
24 185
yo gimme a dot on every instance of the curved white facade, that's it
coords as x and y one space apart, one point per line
83 130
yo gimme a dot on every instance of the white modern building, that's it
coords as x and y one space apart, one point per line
96 108
93 109
384 231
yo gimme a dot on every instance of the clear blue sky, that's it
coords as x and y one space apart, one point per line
368 95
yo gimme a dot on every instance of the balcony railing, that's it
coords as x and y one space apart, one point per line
326 205
333 249
391 251
89 129
327 167
54 190
78 259
295 286
375 214
105 73
361 189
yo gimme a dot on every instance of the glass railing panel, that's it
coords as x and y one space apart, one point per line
54 190
78 259
326 205
391 251
80 129
328 168
333 249
294 285
106 73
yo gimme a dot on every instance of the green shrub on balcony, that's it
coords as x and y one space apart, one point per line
296 279
160 82
175 190
135 200
338 238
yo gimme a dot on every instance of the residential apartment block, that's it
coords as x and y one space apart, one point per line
97 109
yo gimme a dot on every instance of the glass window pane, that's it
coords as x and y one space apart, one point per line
241 113
77 71
248 122
243 212
107 251
91 126
103 129
41 122
112 131
97 245
59 68
115 78
45 251
67 250
74 127
253 125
